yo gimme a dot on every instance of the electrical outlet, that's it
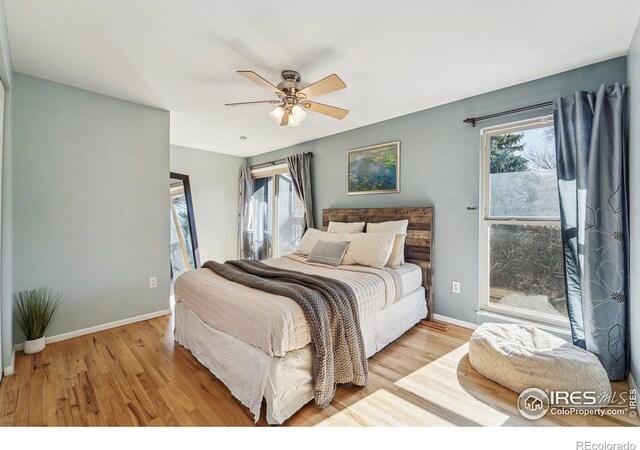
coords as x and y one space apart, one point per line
153 282
455 287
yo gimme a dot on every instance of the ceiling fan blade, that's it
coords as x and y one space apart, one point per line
328 84
285 118
331 111
252 76
252 103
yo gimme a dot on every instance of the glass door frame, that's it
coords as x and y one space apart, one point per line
273 172
192 221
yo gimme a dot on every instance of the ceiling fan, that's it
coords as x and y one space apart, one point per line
293 99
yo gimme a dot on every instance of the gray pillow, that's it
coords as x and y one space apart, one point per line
328 252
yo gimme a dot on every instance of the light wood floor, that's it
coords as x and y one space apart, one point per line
137 375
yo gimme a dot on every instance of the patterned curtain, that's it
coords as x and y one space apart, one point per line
245 191
592 181
300 170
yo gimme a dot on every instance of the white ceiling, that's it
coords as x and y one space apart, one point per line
396 57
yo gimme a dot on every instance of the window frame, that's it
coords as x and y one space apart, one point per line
273 172
486 220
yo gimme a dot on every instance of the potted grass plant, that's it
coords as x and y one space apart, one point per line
34 310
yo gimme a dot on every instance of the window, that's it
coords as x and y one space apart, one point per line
276 214
521 246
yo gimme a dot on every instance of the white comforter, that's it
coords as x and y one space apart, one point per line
274 323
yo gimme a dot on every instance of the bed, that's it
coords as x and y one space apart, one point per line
259 345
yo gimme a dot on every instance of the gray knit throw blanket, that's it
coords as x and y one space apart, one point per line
331 309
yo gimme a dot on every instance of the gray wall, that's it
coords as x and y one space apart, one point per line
6 310
634 189
440 167
214 189
90 190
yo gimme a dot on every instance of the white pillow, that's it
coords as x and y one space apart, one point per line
399 226
368 249
311 236
396 259
346 227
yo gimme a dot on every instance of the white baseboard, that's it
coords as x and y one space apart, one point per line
85 331
10 370
452 321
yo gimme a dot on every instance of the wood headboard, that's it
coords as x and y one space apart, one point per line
418 248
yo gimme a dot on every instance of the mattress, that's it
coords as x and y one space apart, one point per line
410 277
274 323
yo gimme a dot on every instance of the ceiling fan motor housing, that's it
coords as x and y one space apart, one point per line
290 83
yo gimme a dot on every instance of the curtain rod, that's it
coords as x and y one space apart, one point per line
273 163
473 120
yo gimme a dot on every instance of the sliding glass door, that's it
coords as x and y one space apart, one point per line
276 214
262 207
290 214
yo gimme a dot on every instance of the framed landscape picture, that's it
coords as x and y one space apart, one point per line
375 169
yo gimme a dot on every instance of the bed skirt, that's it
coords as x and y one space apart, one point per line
284 382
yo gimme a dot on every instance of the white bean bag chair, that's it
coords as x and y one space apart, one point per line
521 357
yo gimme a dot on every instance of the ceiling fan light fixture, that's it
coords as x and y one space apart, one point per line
298 113
294 99
292 121
277 114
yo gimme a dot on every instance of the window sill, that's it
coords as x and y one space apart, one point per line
560 330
